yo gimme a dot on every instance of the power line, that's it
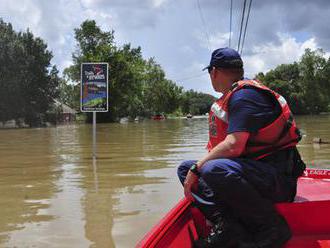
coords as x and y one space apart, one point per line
240 33
191 77
204 23
230 22
246 23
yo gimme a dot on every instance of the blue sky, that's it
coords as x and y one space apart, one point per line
172 31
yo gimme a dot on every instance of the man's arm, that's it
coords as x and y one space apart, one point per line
232 146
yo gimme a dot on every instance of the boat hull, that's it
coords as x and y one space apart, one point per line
308 218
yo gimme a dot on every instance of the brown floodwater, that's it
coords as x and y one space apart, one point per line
52 193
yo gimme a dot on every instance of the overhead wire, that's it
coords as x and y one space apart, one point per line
246 24
230 21
204 23
240 33
191 77
239 47
208 40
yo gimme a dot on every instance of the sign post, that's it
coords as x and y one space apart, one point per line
94 92
94 134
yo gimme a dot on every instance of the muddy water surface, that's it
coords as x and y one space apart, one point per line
52 193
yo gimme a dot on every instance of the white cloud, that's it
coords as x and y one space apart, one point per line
192 77
158 3
20 13
219 40
187 49
171 31
268 56
212 41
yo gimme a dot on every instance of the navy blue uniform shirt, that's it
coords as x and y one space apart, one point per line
251 109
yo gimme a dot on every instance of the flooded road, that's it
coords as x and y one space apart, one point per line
54 194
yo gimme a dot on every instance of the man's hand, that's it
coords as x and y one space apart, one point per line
190 184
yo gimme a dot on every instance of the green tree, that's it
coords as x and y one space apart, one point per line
196 103
126 82
285 79
304 84
312 66
136 86
160 95
27 82
69 94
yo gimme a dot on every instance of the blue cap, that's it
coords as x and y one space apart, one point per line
225 58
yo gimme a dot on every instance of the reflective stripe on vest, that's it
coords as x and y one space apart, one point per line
282 101
219 112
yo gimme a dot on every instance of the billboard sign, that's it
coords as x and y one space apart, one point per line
94 87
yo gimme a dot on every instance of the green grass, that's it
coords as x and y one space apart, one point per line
95 102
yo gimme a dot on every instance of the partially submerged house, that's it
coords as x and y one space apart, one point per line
64 112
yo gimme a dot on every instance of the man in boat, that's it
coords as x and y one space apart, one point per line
252 161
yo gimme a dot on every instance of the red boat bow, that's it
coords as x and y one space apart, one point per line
308 218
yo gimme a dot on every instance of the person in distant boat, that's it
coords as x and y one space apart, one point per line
252 161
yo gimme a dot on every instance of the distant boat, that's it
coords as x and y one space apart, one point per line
189 116
158 117
137 119
123 120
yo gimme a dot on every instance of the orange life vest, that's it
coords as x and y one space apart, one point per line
281 133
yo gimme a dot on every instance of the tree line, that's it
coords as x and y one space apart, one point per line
29 83
137 86
304 84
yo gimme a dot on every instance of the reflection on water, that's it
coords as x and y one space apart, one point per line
54 194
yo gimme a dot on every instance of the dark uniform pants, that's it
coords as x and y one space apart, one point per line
242 187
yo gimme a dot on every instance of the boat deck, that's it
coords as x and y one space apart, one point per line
309 216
